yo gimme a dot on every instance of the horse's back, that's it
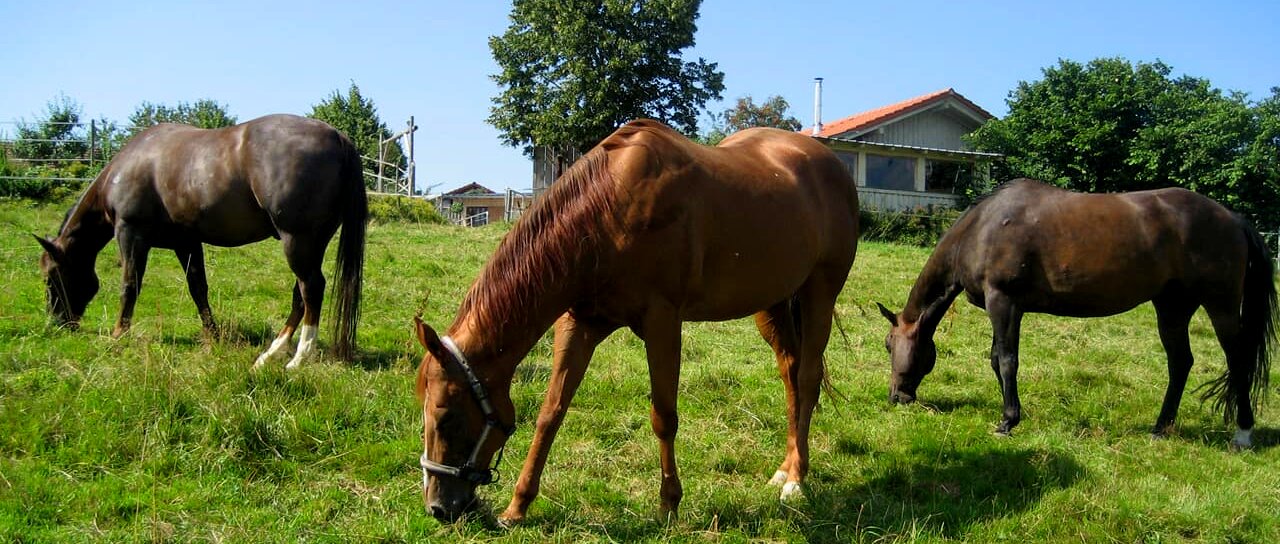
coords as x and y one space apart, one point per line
228 186
1093 254
732 228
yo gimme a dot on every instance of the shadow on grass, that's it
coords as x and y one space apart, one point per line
925 492
936 492
379 359
1217 436
947 405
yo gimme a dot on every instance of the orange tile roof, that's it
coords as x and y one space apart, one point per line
871 118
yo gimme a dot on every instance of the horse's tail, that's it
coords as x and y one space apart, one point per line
349 265
1258 318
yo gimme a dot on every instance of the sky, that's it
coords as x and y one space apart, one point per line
430 59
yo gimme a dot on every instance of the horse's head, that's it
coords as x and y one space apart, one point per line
465 425
912 354
69 283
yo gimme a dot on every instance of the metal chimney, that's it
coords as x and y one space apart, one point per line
817 106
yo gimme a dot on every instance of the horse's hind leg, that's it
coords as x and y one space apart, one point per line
777 326
1173 314
192 260
133 257
799 330
282 343
1239 375
304 255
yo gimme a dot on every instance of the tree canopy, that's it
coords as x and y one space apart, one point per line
357 117
60 135
746 114
1111 125
572 71
203 113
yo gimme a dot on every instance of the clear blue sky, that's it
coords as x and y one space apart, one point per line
430 59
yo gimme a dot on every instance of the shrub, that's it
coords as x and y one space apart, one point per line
403 209
922 226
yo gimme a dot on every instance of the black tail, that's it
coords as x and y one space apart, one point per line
349 269
1258 317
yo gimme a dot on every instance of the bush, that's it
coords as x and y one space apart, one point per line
403 209
918 227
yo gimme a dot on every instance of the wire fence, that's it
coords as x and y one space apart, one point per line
74 152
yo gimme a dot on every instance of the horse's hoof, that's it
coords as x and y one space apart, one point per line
1002 433
1242 441
779 478
791 491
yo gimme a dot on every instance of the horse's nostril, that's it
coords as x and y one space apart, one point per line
439 512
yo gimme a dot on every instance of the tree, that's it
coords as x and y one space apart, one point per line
204 113
746 114
59 136
1115 126
572 71
357 117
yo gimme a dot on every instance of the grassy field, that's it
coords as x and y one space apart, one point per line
161 436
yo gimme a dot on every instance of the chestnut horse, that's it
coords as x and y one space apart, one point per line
646 231
179 187
1030 247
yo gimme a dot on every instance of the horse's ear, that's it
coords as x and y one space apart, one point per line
888 314
427 336
50 247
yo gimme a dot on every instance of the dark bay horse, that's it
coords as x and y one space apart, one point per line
178 187
646 231
1030 247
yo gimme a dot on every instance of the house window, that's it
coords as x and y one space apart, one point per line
850 160
889 172
477 216
946 176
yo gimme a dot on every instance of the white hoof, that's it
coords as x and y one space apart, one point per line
791 491
1243 439
778 479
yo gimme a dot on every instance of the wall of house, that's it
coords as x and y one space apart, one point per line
935 129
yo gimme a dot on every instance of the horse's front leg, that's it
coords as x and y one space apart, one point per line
192 260
1006 324
133 260
662 346
575 341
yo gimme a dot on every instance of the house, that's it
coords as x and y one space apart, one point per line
912 153
474 205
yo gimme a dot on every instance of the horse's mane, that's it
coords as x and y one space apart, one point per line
550 243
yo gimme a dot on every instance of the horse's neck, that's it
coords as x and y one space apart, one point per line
86 230
935 289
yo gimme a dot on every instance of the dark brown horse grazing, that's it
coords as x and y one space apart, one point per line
178 187
646 231
1034 248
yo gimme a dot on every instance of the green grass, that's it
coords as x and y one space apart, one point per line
160 436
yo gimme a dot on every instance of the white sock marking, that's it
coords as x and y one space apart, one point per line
276 350
778 478
1243 438
306 347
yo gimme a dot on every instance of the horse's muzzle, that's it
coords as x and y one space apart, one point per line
901 397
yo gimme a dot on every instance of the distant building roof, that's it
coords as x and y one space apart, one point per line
870 120
470 189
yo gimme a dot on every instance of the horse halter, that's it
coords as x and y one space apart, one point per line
468 471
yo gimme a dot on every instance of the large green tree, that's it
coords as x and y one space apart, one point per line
1111 125
572 71
58 136
203 113
746 114
357 117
